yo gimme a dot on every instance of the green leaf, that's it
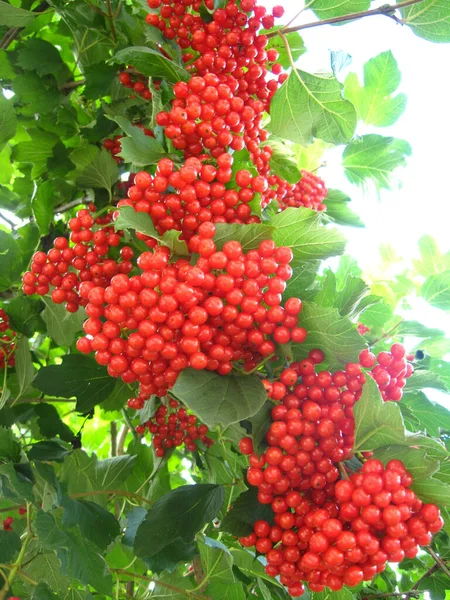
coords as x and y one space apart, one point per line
9 446
12 16
77 376
377 423
249 236
301 230
79 557
337 208
62 326
169 557
130 219
171 239
9 546
436 290
421 378
94 522
226 591
24 366
43 592
431 416
436 586
216 560
48 451
102 172
46 567
303 276
326 9
374 101
181 513
217 399
6 70
40 56
118 397
429 20
327 594
50 423
99 79
432 261
245 511
10 261
43 204
111 473
260 424
337 336
283 162
251 565
296 45
8 120
16 482
138 148
416 461
311 106
152 64
311 157
432 490
416 329
373 159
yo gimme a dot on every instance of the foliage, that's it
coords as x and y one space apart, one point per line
97 510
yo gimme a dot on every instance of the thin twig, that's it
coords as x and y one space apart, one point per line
167 586
121 440
388 333
111 493
438 560
111 21
385 10
71 85
130 426
10 223
65 207
113 436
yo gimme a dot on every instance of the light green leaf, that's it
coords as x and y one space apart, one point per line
152 63
283 162
8 119
337 208
24 366
46 567
13 16
42 205
429 20
9 446
296 45
416 461
326 9
302 231
61 325
171 239
327 594
432 417
374 101
102 172
432 490
311 158
436 290
377 423
422 378
137 148
10 261
337 336
217 399
249 236
311 106
432 261
373 159
111 473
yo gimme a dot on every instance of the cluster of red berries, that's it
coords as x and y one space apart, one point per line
226 308
196 193
360 524
65 268
391 372
114 146
172 426
136 82
7 342
309 192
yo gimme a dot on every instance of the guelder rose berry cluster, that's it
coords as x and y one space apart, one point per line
328 531
7 342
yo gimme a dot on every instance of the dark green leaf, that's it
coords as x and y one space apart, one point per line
311 106
9 546
50 423
9 446
327 594
99 79
8 119
43 592
118 397
152 64
169 557
77 376
249 236
94 522
374 101
226 591
12 16
111 473
245 511
374 159
48 451
10 261
24 366
134 519
40 56
260 424
300 228
219 400
179 514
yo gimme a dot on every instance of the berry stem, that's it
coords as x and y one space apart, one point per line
343 471
16 567
388 333
386 10
126 418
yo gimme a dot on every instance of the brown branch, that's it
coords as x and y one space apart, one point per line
71 85
386 10
111 21
414 592
438 560
113 436
121 440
